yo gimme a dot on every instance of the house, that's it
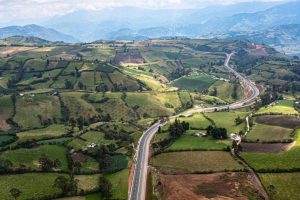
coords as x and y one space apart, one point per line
92 145
200 134
235 137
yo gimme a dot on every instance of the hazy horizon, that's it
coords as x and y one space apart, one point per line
20 12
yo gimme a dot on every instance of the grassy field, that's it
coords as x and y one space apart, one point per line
225 90
32 110
119 181
284 107
273 161
188 142
229 123
282 186
267 133
194 82
88 183
6 111
51 131
77 106
195 162
29 157
32 185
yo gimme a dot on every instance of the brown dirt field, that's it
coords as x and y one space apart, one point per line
44 49
80 157
285 121
3 125
132 56
229 186
271 148
13 50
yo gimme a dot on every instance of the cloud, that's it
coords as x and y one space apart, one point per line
22 11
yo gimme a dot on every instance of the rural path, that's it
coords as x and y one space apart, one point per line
138 185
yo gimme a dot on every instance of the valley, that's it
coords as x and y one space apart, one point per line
75 118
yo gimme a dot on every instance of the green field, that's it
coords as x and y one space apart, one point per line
225 90
28 158
119 183
194 82
32 185
188 142
229 123
195 162
88 183
282 186
266 133
32 111
51 131
77 106
287 160
6 111
283 107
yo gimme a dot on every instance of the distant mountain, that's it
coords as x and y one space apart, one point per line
36 31
284 38
23 40
90 25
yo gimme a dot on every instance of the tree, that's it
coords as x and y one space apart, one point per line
68 84
80 85
214 92
105 187
209 129
238 120
234 94
61 182
177 128
5 165
219 133
15 193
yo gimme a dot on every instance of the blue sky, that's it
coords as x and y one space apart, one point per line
18 11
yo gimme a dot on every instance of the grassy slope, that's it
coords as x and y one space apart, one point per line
272 161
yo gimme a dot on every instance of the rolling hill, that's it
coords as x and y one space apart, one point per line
36 31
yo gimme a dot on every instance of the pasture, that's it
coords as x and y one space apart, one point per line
281 107
32 111
28 158
194 82
229 123
51 131
286 160
267 133
119 181
189 162
31 185
282 186
188 142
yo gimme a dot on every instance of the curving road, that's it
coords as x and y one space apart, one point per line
138 186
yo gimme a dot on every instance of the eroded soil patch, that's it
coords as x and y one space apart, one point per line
264 147
238 186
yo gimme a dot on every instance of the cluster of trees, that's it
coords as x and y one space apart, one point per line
178 128
217 132
67 186
269 96
5 165
46 164
104 158
238 120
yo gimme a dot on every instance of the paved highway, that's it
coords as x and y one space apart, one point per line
138 186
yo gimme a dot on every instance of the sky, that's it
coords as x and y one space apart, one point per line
22 11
